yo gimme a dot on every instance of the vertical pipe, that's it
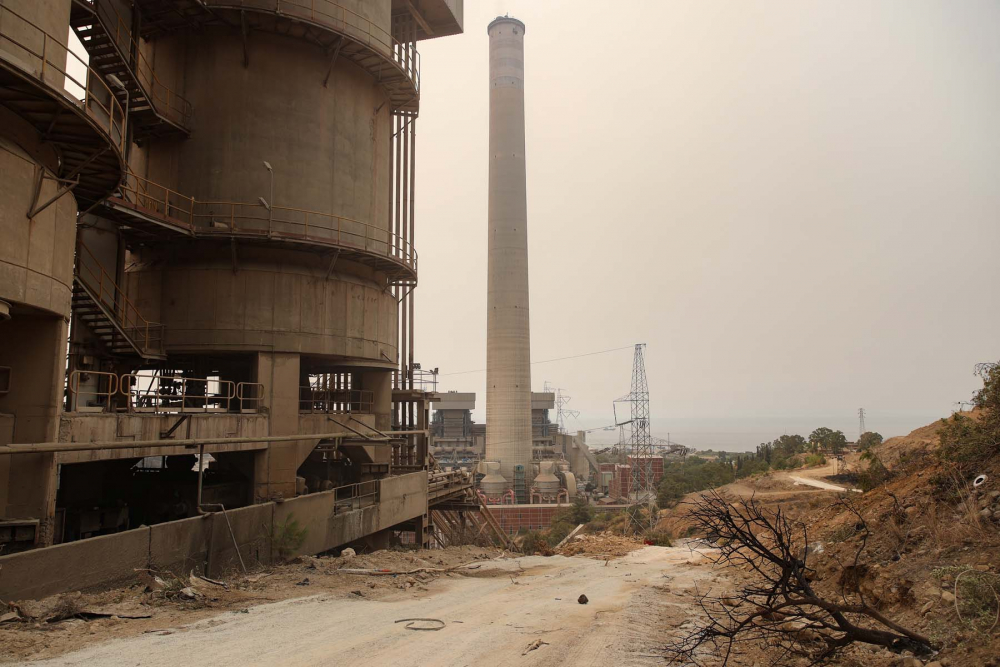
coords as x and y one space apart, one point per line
406 227
412 210
396 211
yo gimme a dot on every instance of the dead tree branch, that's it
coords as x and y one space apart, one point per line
778 605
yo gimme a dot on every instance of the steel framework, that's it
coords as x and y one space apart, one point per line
640 448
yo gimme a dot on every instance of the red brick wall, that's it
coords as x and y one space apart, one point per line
513 518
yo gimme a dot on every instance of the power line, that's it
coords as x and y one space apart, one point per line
549 361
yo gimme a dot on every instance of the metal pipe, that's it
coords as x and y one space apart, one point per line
231 533
55 447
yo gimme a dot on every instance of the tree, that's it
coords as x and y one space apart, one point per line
836 442
779 604
868 440
789 445
826 438
819 436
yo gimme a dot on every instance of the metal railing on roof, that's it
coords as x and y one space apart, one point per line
335 401
172 394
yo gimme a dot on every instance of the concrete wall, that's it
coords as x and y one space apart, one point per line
329 146
90 427
99 561
205 544
36 256
274 300
50 17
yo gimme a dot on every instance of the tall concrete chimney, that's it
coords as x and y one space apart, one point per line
508 343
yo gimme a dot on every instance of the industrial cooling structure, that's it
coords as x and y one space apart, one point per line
213 202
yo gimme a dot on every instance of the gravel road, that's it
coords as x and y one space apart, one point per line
489 619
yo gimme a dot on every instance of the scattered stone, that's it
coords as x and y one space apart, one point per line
926 608
304 582
348 553
908 662
358 593
582 599
936 663
948 597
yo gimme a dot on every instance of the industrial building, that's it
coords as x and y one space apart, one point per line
208 269
459 441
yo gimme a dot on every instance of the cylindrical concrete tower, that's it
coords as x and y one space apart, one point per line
508 348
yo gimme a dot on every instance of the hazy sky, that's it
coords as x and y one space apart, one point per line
794 204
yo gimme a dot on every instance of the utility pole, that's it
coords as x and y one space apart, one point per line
642 489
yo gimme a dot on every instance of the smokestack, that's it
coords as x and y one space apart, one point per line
508 348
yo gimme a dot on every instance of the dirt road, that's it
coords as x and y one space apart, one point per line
489 619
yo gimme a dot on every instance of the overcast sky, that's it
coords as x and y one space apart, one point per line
793 204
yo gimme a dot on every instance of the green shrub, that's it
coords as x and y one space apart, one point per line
535 543
968 442
287 538
875 475
815 460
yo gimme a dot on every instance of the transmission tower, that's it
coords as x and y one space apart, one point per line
562 412
642 489
861 423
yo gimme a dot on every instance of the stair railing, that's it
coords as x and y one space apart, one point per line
111 298
160 96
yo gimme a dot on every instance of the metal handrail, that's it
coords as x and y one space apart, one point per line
252 219
148 81
357 491
298 223
175 395
333 15
98 100
148 335
335 401
256 388
74 388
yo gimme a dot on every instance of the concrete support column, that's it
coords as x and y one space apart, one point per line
379 382
35 349
274 476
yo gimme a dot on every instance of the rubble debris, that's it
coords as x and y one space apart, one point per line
348 553
195 579
534 646
304 582
189 593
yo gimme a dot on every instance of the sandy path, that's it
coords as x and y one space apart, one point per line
490 620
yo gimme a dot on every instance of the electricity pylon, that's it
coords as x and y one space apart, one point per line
642 488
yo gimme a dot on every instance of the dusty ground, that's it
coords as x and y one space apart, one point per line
34 637
491 616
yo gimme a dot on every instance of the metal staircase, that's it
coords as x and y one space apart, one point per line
103 307
153 109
